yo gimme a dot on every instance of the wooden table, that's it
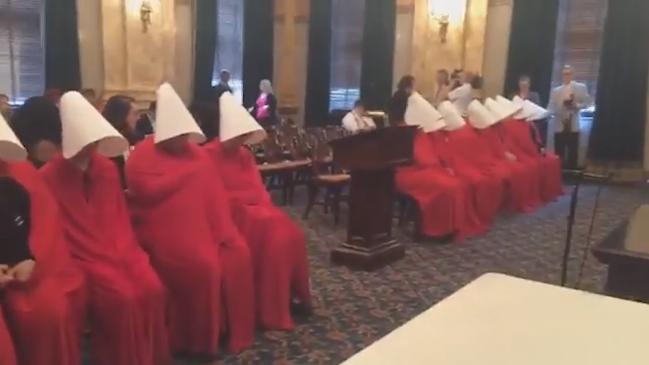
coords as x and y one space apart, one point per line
501 320
626 252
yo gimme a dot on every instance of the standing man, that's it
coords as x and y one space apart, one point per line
566 102
223 85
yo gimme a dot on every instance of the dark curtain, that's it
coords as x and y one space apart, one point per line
531 45
257 47
205 48
62 69
378 53
618 128
319 64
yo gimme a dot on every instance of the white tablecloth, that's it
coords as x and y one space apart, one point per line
501 320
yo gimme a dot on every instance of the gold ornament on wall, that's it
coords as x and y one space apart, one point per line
145 15
445 13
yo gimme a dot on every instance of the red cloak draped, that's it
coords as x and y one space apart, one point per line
524 182
277 244
444 200
182 218
127 300
45 314
463 153
7 355
488 151
550 165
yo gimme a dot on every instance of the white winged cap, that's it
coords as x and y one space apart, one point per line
82 125
421 113
452 117
499 112
173 119
479 116
10 147
236 121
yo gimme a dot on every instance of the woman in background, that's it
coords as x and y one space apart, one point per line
443 87
399 101
120 111
525 92
265 109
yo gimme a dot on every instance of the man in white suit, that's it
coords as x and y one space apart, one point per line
566 102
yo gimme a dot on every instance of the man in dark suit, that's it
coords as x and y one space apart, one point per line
223 85
525 92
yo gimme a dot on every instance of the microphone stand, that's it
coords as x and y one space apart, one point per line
571 219
571 222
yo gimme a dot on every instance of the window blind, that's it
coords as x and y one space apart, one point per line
21 49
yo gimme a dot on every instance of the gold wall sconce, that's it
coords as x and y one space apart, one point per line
145 15
445 12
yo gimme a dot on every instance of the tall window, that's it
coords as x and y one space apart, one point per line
229 46
580 28
346 52
22 67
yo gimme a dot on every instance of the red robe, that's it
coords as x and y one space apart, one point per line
127 300
523 178
466 150
277 244
7 355
462 153
45 314
444 200
182 218
549 164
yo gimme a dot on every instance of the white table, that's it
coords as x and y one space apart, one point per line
501 320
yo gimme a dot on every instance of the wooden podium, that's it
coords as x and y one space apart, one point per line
371 157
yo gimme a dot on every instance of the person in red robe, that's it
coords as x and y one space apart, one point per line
464 149
523 131
489 154
460 152
7 354
445 201
276 243
182 217
44 293
127 299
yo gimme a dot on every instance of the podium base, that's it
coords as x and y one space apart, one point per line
368 259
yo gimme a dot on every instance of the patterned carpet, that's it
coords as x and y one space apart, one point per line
353 309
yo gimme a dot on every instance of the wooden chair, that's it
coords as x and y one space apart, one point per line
278 171
326 177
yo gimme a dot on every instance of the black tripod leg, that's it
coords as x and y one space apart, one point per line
571 223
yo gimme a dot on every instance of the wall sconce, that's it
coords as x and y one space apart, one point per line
443 22
445 12
145 15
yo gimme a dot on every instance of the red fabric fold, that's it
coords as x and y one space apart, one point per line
445 201
7 354
47 313
127 299
549 164
277 244
462 152
182 218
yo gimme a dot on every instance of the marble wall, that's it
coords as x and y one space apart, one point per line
119 57
464 46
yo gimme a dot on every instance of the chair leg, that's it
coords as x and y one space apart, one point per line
336 205
313 194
